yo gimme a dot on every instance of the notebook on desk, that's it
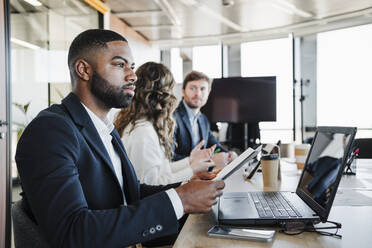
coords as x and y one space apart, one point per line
316 190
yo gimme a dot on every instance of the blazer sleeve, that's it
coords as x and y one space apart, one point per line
177 156
147 190
46 157
211 138
177 137
149 161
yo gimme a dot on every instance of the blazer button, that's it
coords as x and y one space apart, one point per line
159 228
152 230
145 233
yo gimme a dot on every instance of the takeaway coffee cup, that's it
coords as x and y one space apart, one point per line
301 152
270 169
287 150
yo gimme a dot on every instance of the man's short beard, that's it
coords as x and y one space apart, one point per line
191 105
110 96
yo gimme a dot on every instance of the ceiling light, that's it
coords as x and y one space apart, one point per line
213 14
35 3
24 44
227 3
190 2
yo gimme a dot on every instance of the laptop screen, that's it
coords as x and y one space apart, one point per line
324 165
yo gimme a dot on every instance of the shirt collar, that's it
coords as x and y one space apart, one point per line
103 127
190 112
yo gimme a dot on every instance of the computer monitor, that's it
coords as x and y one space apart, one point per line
242 100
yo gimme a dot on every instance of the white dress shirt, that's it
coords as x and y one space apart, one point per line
104 129
193 118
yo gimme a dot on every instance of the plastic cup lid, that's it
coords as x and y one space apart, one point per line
270 157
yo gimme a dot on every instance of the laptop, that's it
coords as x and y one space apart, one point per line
316 190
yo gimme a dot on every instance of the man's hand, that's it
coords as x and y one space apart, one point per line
231 156
204 175
198 196
220 159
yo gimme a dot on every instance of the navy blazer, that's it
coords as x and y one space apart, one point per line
72 191
183 133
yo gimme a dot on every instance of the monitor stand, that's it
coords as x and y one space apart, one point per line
243 135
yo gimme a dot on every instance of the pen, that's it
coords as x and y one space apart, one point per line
216 151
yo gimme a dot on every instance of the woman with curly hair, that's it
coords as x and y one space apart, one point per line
147 127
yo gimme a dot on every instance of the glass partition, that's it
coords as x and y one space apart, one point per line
41 33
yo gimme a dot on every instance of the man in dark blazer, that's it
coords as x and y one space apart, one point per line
78 184
192 126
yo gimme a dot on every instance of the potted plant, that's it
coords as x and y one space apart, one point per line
22 125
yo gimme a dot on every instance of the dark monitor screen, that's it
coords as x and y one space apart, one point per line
242 99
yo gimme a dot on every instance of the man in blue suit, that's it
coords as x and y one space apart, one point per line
192 126
78 184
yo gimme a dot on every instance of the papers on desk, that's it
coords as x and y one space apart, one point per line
237 163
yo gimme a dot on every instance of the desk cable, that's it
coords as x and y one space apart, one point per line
298 228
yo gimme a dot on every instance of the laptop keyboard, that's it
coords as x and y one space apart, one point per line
274 204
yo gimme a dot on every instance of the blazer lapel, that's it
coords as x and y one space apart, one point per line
203 130
92 137
132 193
186 121
80 116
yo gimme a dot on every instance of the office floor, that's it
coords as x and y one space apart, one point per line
16 190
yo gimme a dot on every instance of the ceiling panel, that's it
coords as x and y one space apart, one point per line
148 20
131 5
158 34
179 21
326 8
203 18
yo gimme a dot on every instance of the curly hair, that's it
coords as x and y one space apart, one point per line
154 101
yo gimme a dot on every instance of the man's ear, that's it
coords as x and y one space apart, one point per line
83 69
183 92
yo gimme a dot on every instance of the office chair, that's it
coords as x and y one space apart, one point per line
365 147
26 232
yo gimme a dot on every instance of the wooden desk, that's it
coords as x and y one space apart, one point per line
356 219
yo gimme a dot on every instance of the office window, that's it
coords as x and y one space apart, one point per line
344 95
176 65
207 59
273 58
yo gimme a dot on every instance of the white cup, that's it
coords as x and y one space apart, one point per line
301 152
287 150
270 170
